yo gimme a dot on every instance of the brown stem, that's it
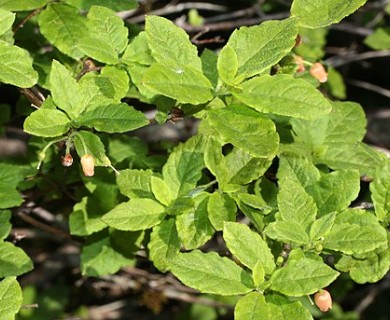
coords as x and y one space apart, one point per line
21 23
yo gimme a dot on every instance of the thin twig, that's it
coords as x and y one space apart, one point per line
42 226
30 15
352 28
229 25
170 9
369 86
340 60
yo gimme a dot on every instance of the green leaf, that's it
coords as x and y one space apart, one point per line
210 273
117 5
164 244
283 308
314 43
112 118
380 192
161 190
25 5
260 138
10 298
183 83
335 191
297 167
9 197
221 208
315 14
85 218
321 226
355 232
238 167
209 66
227 64
379 39
65 91
248 246
372 268
336 84
16 66
184 166
258 48
138 51
297 206
106 37
169 43
87 142
47 123
135 183
345 124
357 156
283 95
287 231
180 205
136 214
100 256
63 27
110 86
10 176
252 307
193 226
5 225
258 274
7 18
13 260
302 277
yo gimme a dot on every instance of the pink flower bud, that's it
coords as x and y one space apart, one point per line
67 160
88 165
323 300
300 64
317 71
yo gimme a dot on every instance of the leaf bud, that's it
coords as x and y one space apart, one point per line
317 71
88 165
323 300
67 160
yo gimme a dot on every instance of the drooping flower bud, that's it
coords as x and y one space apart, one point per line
323 300
300 63
317 71
67 160
88 165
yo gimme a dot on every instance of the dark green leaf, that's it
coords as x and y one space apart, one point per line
164 244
